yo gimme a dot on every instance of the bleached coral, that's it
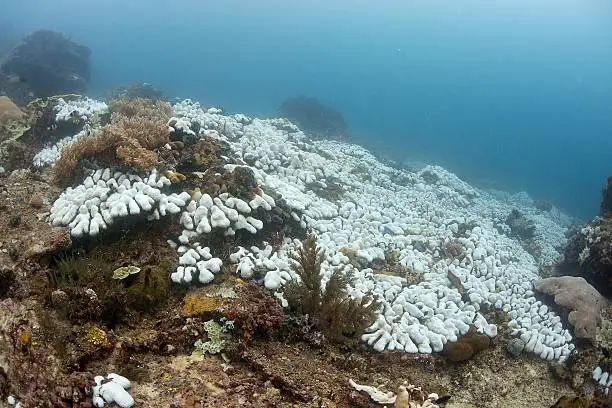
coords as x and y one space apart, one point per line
416 214
180 124
105 196
50 155
196 263
408 396
204 214
111 390
83 108
273 265
603 379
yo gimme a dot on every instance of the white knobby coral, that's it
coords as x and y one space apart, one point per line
111 390
381 207
83 108
103 197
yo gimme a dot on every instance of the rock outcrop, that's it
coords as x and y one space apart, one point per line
45 63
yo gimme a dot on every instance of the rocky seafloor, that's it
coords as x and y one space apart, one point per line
218 260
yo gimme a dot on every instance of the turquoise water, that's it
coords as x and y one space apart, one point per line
509 94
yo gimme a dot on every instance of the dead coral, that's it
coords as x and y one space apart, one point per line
126 141
330 190
33 371
331 310
57 240
580 299
391 265
520 226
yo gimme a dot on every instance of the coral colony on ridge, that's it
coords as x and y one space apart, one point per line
265 231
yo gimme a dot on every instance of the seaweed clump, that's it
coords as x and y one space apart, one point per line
84 291
331 309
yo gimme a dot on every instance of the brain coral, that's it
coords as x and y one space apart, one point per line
582 300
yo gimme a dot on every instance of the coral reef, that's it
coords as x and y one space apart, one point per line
583 302
313 117
588 252
137 128
47 63
238 194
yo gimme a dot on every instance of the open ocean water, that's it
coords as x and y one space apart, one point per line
513 95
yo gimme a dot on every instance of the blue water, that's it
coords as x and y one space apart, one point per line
515 94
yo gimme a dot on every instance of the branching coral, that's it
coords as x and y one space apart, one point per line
135 131
331 310
143 107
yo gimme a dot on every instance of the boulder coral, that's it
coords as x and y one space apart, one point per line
583 302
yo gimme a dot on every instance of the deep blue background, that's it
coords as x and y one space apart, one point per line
515 94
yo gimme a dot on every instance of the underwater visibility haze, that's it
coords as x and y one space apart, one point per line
306 204
513 95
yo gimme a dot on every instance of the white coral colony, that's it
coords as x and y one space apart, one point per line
355 205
